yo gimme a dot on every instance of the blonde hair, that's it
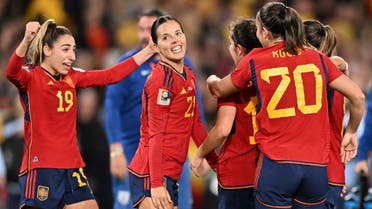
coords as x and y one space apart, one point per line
320 36
48 34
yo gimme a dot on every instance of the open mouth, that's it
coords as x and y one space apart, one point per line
176 49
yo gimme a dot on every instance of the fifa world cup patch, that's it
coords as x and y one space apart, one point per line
163 97
42 193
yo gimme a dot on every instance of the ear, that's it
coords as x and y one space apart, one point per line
240 50
156 48
47 51
265 33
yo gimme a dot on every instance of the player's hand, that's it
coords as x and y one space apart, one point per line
341 64
349 147
151 46
210 80
362 167
146 53
31 30
118 162
195 164
204 168
161 198
118 166
343 192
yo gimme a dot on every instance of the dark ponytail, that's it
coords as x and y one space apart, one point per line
283 21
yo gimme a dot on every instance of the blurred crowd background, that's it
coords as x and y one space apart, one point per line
105 29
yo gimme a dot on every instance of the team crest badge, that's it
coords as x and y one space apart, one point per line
163 97
42 193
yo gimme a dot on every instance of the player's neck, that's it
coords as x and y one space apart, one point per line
276 41
177 66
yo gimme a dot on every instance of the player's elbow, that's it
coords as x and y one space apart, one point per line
360 100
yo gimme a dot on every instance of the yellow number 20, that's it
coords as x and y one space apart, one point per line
272 110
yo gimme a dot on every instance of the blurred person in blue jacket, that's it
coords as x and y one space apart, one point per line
365 142
122 120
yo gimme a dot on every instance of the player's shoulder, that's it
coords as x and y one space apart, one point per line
158 68
157 73
254 53
310 50
76 69
257 51
29 67
188 69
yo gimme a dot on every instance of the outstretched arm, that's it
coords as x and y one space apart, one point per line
115 73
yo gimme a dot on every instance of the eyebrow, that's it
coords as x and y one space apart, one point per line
178 30
69 45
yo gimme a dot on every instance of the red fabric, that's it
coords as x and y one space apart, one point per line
50 107
293 109
239 154
170 117
336 169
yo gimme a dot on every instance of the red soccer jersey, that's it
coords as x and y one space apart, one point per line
50 107
292 119
336 169
169 118
238 156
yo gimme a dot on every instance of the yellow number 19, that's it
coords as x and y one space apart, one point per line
80 176
65 101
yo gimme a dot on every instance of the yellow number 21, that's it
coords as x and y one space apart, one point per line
191 108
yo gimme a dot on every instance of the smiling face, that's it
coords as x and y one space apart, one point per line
59 57
171 41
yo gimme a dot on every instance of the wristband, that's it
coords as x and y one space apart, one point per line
116 151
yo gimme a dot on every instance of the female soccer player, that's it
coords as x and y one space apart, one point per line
122 119
235 128
169 118
323 38
293 134
51 174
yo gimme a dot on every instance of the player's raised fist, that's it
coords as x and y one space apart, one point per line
31 30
